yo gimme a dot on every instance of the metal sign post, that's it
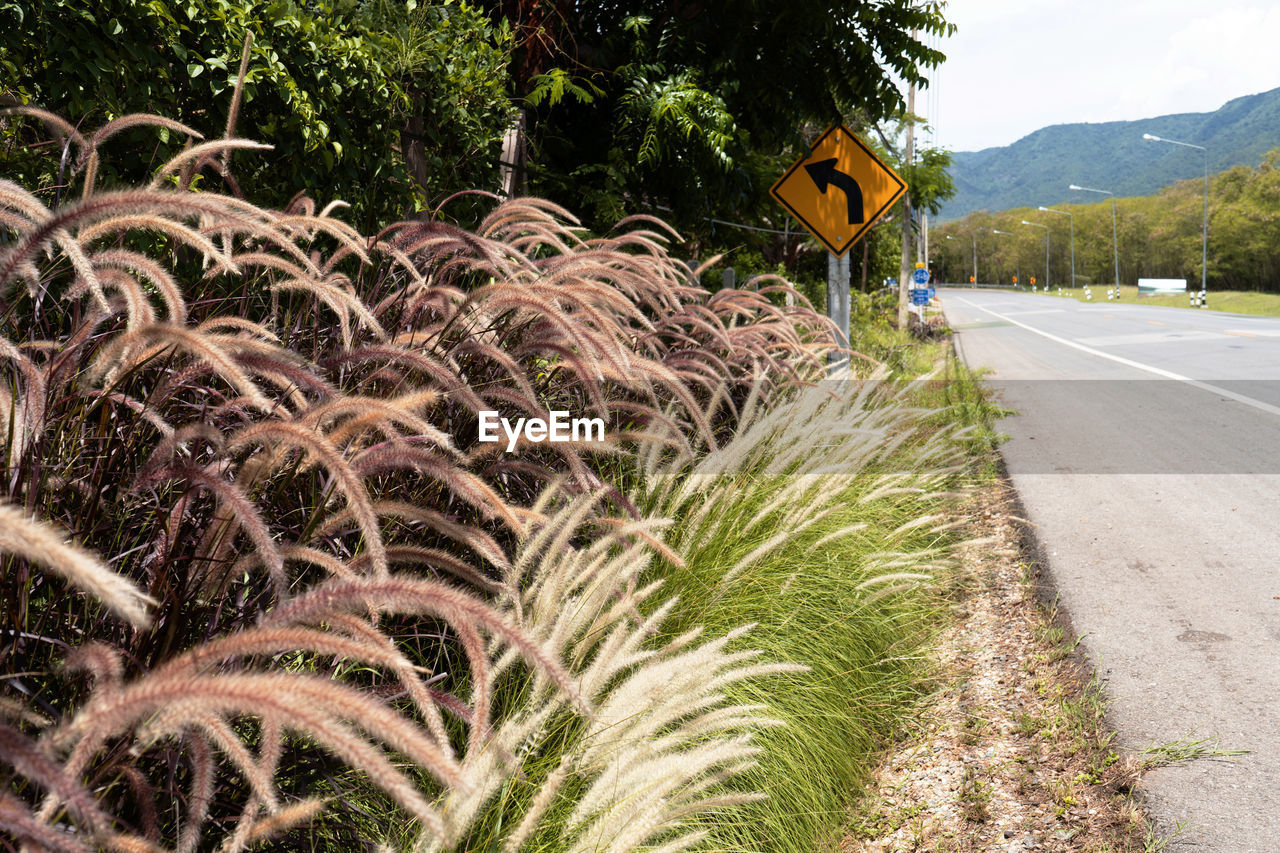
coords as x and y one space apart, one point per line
838 300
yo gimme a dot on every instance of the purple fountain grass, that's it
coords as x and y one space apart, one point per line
268 422
35 541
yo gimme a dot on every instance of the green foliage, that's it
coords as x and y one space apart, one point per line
557 84
673 107
695 108
929 179
330 85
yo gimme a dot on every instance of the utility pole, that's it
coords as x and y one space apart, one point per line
904 273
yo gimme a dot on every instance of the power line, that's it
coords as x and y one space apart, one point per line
734 224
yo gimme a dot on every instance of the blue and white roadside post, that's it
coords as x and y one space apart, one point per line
920 294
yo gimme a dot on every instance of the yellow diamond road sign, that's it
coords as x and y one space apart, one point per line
839 190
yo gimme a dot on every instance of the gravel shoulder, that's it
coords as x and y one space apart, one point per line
1013 752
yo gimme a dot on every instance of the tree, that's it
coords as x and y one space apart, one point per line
333 85
676 105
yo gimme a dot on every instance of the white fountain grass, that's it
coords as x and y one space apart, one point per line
827 522
661 741
821 519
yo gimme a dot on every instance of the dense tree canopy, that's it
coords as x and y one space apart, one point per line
331 84
689 109
693 106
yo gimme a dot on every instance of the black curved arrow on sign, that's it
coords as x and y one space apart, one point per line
824 173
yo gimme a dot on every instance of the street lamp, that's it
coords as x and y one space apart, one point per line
1115 243
1017 267
1046 250
975 258
1073 239
1204 240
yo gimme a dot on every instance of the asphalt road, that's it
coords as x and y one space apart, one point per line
1146 450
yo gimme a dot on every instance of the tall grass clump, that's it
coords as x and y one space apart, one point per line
826 523
259 573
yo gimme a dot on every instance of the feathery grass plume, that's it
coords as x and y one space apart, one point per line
241 512
34 541
274 824
131 349
25 411
197 153
777 508
319 708
597 310
475 539
287 434
661 745
193 436
21 825
89 153
31 761
189 696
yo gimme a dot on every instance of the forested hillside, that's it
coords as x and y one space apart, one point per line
1159 236
1038 168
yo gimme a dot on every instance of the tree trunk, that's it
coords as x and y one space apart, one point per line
514 163
412 149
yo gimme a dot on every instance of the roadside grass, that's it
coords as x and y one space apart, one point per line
519 682
864 645
1186 749
1226 301
846 572
856 588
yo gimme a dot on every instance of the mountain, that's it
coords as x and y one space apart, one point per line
1037 169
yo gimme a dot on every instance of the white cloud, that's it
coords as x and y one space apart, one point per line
1014 67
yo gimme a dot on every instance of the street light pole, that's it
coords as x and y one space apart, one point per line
1115 243
1007 234
1046 250
1204 239
975 258
1073 240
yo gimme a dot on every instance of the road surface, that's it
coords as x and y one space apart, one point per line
1146 450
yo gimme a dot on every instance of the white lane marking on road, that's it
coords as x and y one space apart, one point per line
1137 365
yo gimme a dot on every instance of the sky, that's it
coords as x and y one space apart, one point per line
1015 66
